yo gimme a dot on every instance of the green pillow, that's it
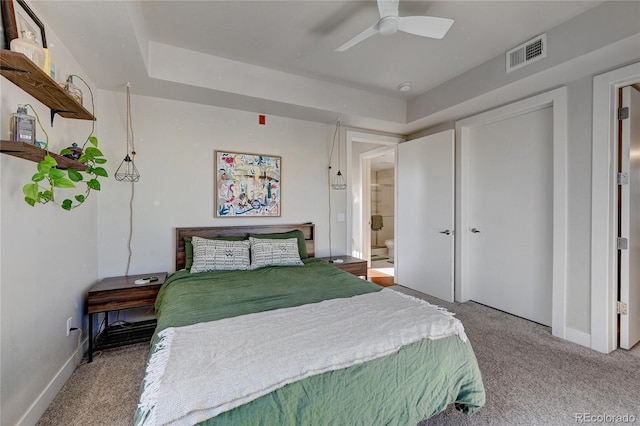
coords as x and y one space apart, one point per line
302 245
188 248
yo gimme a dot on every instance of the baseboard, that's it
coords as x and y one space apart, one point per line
576 336
42 402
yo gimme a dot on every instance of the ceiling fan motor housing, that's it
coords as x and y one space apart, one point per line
389 25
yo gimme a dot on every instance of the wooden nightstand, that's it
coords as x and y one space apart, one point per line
115 293
352 265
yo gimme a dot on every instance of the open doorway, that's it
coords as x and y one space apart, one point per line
362 148
382 217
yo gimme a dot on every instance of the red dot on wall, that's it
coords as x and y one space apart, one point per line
262 119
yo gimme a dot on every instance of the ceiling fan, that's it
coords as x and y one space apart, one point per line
390 23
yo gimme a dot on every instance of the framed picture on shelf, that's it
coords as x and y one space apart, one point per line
17 16
27 20
247 185
9 26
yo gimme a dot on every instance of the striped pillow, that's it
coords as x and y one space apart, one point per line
219 255
274 252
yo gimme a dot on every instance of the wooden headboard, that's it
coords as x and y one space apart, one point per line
308 229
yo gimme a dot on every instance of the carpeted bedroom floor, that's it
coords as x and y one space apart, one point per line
531 378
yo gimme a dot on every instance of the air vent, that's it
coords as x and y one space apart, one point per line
527 53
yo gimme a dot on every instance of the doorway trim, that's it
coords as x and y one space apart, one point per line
604 199
355 201
557 99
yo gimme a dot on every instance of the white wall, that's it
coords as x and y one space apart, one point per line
48 261
175 143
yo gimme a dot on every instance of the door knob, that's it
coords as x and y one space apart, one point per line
445 232
475 230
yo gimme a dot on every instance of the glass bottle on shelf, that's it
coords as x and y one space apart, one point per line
73 90
23 126
26 44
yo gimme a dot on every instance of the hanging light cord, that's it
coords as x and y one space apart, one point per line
130 143
329 181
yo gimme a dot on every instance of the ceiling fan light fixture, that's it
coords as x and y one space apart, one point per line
404 87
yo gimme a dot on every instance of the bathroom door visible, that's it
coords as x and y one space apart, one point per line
424 237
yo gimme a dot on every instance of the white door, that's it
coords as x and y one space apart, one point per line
424 235
630 220
510 215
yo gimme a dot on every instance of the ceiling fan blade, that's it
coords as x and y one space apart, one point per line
388 8
372 30
425 26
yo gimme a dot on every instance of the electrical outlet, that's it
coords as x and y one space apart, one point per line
69 322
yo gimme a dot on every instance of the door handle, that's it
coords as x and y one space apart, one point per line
475 230
445 232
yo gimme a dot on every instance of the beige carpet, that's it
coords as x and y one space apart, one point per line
531 378
104 392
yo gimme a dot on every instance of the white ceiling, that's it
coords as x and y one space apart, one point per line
111 39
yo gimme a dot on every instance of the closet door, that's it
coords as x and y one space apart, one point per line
424 237
510 215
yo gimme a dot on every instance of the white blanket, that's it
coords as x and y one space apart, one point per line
205 369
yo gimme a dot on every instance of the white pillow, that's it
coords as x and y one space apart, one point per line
274 252
219 255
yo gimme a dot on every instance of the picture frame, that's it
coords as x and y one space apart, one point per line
247 184
9 26
17 16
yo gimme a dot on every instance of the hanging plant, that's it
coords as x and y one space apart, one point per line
41 189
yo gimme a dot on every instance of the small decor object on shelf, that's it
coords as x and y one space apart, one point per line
26 44
23 126
74 152
73 90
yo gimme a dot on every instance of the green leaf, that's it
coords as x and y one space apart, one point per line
94 184
74 175
66 151
93 140
44 168
56 174
100 171
49 160
66 204
30 190
47 195
80 198
63 183
100 160
93 152
37 177
89 170
30 201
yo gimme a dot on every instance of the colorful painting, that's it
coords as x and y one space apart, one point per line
247 185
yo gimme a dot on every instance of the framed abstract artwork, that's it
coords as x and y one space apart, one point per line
247 185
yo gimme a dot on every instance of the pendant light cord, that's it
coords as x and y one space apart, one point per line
130 144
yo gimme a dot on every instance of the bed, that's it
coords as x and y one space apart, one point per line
297 345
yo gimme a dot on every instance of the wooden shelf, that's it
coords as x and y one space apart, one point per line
29 77
33 153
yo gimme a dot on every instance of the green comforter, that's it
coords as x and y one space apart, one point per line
400 389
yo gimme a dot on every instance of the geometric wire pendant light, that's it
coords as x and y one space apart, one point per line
338 182
127 171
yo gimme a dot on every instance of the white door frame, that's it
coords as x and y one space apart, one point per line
557 99
356 193
604 201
